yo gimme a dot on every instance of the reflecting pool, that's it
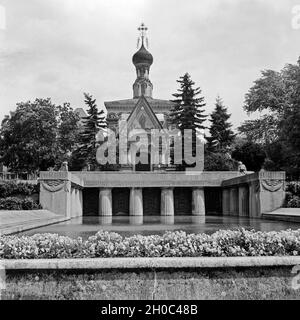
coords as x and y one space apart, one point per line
126 225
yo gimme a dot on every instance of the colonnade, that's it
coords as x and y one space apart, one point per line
235 201
136 202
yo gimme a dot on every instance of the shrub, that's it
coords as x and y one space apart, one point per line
12 188
293 202
292 199
171 244
13 203
293 187
30 204
219 162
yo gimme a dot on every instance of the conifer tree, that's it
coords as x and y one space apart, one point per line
92 123
221 135
187 112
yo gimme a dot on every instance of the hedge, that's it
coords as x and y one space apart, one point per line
12 188
13 203
222 243
292 199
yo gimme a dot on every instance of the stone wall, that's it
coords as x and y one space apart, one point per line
248 195
155 278
253 194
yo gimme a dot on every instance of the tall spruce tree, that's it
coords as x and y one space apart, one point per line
188 110
221 135
95 121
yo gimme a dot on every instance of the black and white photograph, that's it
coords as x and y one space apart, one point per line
149 155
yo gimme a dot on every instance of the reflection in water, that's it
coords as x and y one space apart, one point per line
198 219
105 220
148 225
136 220
167 220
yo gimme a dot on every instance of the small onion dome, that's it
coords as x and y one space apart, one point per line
143 56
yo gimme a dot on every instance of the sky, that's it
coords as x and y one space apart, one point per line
62 48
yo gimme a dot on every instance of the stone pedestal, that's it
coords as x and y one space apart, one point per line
136 202
233 206
226 202
105 202
198 205
167 202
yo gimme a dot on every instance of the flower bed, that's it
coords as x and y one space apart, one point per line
222 243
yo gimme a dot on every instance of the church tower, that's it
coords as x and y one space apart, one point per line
142 61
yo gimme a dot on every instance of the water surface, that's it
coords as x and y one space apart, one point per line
147 225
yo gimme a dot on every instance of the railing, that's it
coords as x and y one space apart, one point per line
7 176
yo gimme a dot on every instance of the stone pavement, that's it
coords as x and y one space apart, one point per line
13 221
284 214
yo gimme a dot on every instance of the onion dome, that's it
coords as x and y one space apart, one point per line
142 56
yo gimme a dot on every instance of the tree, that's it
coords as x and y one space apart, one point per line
276 95
221 135
28 136
37 135
68 132
251 154
291 127
188 110
95 121
217 161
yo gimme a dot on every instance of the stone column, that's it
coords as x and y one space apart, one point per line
198 205
167 202
233 206
225 202
243 201
136 202
105 202
254 201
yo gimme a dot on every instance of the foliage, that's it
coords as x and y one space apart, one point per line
85 154
68 132
221 135
293 187
251 154
37 135
223 243
187 112
28 136
293 202
13 203
219 162
292 194
263 130
276 95
11 188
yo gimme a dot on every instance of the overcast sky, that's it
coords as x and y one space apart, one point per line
62 48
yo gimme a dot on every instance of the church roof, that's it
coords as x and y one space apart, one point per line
143 109
80 112
126 105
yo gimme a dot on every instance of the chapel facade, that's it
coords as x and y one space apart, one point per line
142 112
